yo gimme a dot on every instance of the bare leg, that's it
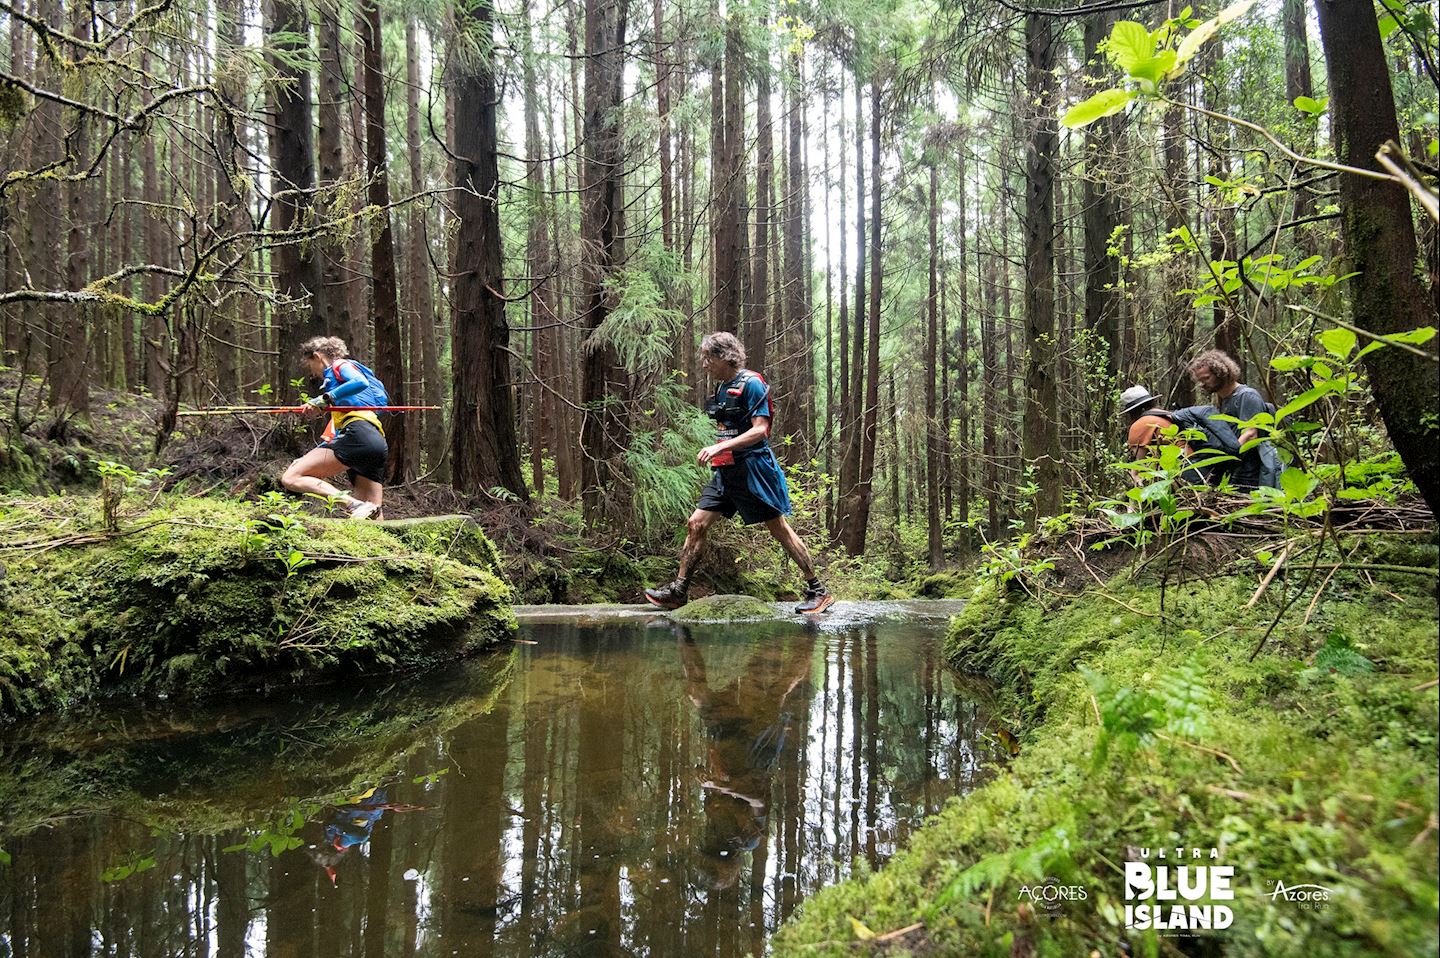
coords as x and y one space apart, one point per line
306 475
696 528
368 490
792 545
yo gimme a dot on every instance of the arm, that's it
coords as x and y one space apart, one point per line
759 429
354 382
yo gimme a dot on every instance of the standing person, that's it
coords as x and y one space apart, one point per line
1216 372
353 441
746 478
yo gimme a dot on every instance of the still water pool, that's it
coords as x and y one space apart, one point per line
616 789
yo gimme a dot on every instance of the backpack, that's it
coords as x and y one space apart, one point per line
1220 436
375 395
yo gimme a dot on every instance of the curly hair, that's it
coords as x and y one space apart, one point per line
724 347
331 347
1221 366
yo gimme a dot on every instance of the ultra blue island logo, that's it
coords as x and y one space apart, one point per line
1178 889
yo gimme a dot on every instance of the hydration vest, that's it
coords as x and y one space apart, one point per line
374 394
732 415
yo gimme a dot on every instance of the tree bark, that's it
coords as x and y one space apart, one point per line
932 426
484 450
422 290
1380 241
1041 440
605 431
298 283
389 349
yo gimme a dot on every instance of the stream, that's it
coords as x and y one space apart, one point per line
612 785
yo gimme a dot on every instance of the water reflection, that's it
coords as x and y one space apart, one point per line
629 792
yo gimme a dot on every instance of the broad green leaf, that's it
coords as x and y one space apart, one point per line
861 932
1103 104
1388 25
4 857
1150 72
1288 364
1339 342
1308 398
1311 107
1414 337
1130 44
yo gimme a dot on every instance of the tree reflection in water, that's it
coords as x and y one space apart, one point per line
629 792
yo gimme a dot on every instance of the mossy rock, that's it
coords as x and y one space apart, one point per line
196 596
724 608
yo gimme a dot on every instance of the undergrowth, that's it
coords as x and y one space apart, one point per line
1150 726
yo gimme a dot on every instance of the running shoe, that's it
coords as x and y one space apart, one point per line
672 595
817 600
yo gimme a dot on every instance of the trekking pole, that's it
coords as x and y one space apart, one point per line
236 410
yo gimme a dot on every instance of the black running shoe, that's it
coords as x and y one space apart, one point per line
817 600
672 595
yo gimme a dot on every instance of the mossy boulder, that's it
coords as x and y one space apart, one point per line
195 596
724 608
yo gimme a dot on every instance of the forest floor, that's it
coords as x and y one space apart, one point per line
1289 733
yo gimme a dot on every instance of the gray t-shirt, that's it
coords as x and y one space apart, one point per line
1259 466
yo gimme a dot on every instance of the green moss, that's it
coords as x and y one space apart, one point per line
1315 762
197 595
724 608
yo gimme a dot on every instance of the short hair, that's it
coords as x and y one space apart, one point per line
724 347
331 347
1225 369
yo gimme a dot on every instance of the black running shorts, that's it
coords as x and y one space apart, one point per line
728 494
361 448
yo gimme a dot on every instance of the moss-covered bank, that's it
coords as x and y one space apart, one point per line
194 596
1314 763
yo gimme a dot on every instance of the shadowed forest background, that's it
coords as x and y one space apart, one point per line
528 212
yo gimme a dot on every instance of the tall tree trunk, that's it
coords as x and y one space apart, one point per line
932 425
1386 296
606 430
389 350
757 314
484 450
872 345
729 244
1298 83
332 253
989 367
1102 273
70 368
230 214
1041 435
796 276
422 290
1226 321
850 429
298 282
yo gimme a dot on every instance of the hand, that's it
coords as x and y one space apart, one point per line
318 404
704 456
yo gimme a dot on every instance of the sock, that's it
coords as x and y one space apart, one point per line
684 581
813 584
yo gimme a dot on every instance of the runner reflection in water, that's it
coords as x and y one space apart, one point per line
350 826
755 723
